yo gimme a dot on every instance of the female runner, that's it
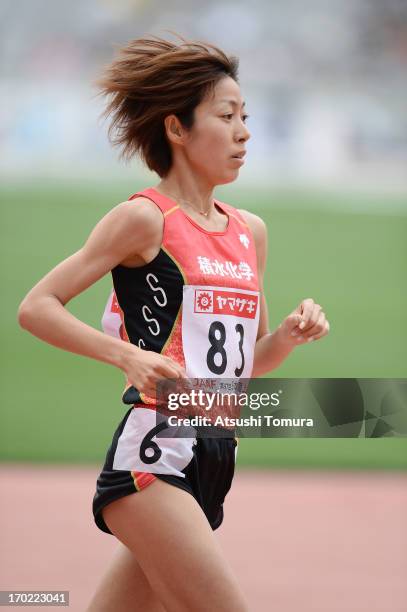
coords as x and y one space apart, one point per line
188 277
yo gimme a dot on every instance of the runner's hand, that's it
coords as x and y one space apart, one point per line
145 368
306 323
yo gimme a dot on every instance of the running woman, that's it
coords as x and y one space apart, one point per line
188 301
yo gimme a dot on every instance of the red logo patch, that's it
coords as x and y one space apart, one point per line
226 302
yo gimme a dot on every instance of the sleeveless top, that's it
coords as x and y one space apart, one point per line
197 301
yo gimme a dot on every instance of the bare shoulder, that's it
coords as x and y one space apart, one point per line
130 233
141 225
256 224
140 212
138 221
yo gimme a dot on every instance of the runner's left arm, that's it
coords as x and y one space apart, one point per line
304 324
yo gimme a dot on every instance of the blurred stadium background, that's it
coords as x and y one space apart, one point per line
326 92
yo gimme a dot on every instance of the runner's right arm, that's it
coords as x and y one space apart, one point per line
122 230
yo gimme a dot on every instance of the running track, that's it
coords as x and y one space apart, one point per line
298 541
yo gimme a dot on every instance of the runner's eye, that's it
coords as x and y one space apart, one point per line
244 118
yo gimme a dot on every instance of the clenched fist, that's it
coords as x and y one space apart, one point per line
306 323
144 369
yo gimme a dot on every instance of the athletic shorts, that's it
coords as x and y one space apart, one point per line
202 466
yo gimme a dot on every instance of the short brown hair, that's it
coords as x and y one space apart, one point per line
151 78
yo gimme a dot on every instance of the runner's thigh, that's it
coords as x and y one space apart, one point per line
172 540
124 587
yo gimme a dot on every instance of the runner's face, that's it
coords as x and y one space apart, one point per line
219 132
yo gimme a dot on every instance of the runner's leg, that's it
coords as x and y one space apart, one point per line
124 587
176 548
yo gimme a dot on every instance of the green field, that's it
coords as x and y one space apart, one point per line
58 406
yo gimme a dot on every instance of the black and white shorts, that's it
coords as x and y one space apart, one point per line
203 466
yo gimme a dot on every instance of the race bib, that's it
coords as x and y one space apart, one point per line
219 331
140 448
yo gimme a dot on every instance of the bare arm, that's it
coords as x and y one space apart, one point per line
128 229
306 322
